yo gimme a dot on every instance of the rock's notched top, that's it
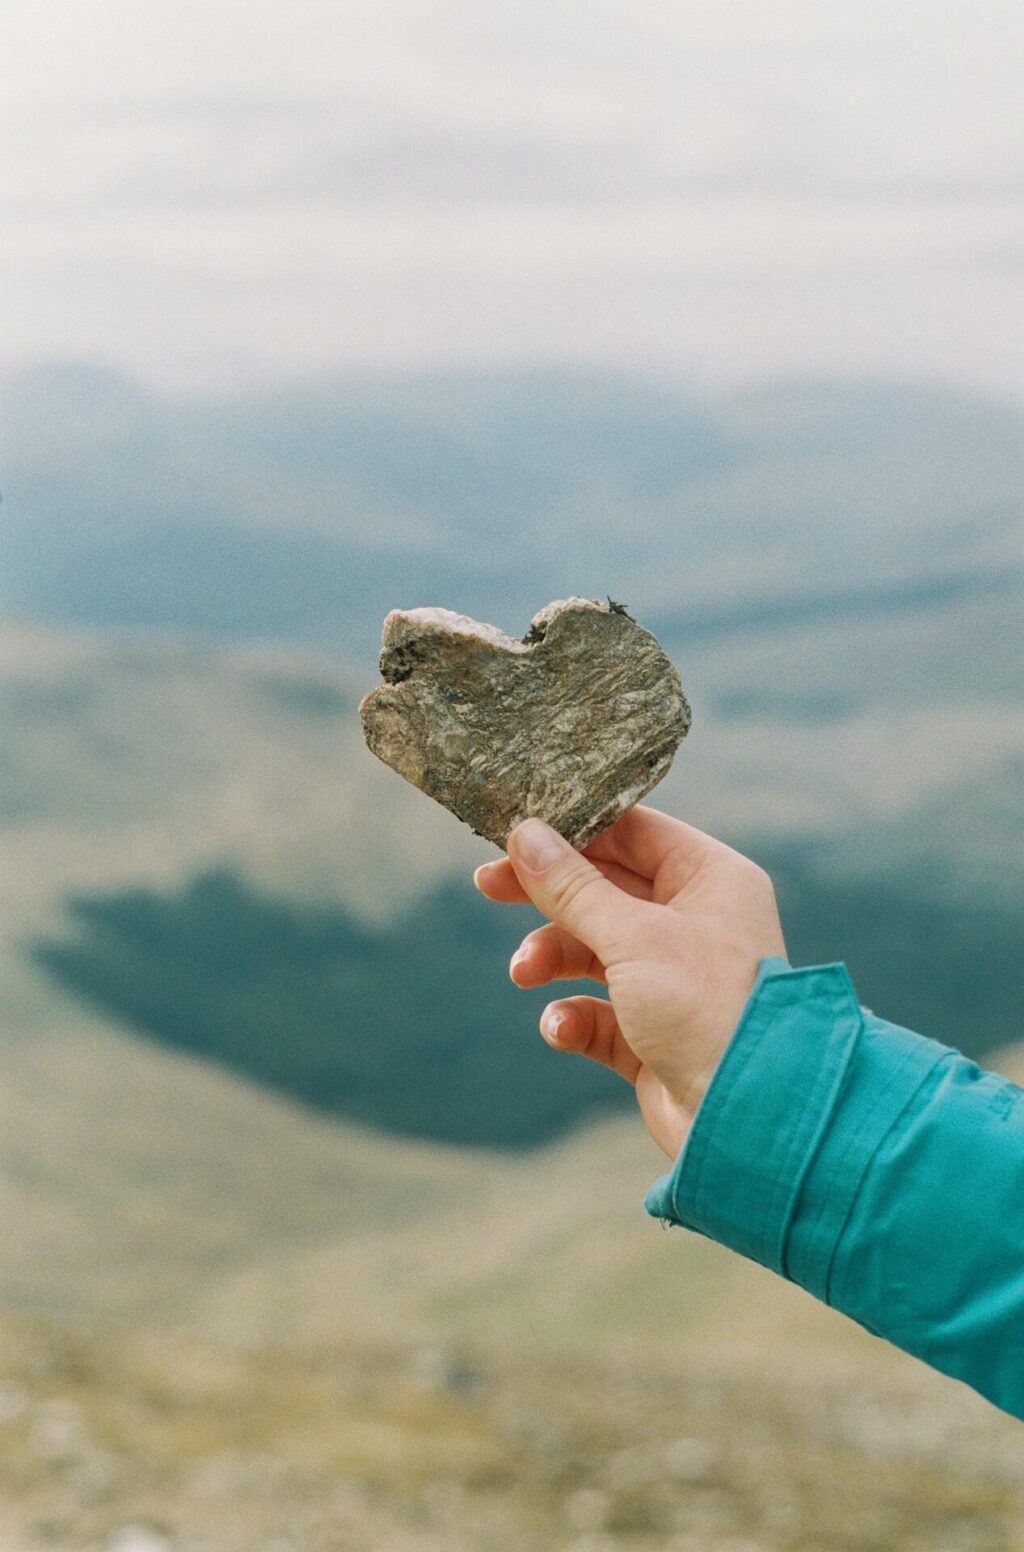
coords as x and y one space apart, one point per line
574 723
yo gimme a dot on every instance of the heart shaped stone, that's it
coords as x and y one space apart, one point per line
573 724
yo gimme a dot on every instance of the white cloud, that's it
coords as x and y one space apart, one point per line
212 191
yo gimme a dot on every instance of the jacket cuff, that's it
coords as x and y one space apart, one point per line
804 1094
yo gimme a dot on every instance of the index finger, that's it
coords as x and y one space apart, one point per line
498 881
650 843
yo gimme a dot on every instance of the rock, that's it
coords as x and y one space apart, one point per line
573 724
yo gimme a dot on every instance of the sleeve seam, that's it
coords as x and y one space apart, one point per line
838 1168
829 1268
823 1099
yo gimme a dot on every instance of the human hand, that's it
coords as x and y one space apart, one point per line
673 922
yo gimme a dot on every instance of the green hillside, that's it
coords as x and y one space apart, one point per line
304 513
140 1184
229 1324
414 1027
145 759
199 844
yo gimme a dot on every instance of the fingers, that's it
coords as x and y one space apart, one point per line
572 892
498 881
643 848
552 954
653 846
587 1026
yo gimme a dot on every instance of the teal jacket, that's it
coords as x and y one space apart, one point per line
880 1170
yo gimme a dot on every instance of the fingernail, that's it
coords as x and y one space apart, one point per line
517 959
552 1025
536 845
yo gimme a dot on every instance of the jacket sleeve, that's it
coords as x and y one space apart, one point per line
879 1169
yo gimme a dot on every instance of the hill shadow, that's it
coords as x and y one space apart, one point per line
416 1028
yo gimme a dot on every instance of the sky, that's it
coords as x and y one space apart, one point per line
231 193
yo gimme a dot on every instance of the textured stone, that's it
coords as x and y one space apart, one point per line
574 723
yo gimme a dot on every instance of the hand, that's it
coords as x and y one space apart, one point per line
673 922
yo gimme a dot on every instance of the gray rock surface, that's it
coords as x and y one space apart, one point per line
574 723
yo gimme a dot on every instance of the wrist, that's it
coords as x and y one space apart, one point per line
706 1044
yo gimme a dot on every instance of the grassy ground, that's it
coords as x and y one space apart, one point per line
108 1445
266 1333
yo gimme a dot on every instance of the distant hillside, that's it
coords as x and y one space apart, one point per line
139 1186
252 885
129 1176
416 1028
306 513
218 1301
142 1186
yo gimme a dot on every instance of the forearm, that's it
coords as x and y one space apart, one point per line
880 1170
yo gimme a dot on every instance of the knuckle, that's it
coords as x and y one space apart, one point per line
604 920
574 887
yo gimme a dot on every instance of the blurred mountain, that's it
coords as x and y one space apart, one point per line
199 846
140 1185
834 568
130 1176
415 1028
143 1185
306 513
227 1313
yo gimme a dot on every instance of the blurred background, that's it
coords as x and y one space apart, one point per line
307 1241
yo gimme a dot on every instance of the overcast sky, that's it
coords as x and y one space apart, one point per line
228 192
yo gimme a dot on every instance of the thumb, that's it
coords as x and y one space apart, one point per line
569 890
